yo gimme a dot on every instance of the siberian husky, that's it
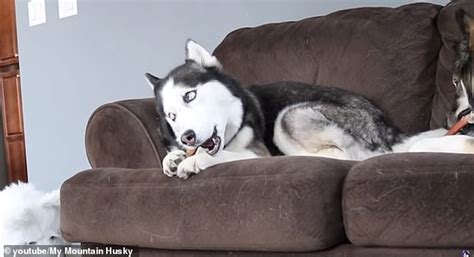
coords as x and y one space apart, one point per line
203 108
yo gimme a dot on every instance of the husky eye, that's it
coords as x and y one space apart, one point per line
172 116
189 96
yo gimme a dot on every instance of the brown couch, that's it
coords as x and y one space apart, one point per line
394 205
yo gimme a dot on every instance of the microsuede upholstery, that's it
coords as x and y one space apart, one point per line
451 35
340 251
293 204
269 204
411 200
124 134
388 55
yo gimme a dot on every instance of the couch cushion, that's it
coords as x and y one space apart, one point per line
451 35
345 250
272 204
411 200
386 54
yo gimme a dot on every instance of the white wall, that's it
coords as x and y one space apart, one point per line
71 66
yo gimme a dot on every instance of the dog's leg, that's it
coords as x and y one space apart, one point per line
202 160
303 130
331 152
446 144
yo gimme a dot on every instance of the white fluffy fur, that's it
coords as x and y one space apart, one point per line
197 53
29 216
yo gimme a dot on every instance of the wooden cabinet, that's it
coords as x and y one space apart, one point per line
10 95
8 42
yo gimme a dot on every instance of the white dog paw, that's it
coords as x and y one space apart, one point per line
188 167
172 161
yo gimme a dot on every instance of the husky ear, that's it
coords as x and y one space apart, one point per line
469 24
465 21
197 53
152 81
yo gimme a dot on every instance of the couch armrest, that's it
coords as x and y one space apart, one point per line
411 200
124 134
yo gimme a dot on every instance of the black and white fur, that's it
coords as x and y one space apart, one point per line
464 84
202 107
464 72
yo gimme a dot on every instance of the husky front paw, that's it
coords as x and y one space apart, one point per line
188 167
194 164
171 162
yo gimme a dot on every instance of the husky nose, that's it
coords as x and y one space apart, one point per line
188 138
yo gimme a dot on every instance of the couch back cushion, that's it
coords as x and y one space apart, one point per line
389 55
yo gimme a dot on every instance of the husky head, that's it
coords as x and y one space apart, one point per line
463 73
29 217
200 104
